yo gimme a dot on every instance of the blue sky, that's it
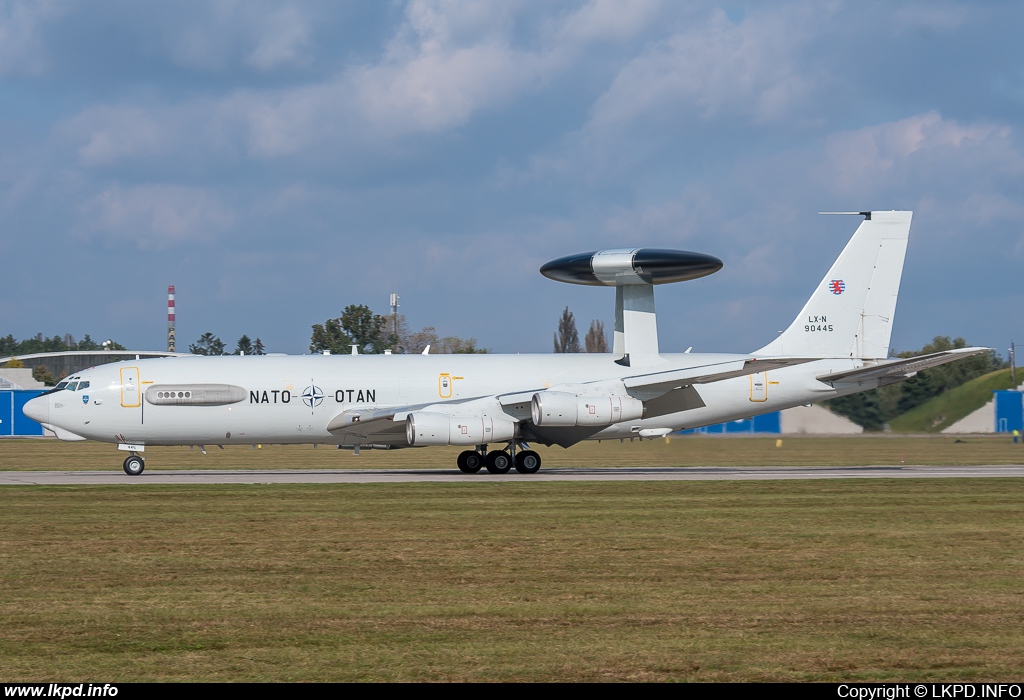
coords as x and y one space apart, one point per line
278 161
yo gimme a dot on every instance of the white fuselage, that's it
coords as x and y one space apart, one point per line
292 399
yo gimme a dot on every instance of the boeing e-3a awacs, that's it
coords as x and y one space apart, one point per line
837 345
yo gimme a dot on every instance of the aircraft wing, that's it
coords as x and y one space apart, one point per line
899 369
384 426
649 386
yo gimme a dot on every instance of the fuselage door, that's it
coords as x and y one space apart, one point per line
759 387
131 396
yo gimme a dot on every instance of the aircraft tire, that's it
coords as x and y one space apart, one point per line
499 462
134 465
470 462
528 462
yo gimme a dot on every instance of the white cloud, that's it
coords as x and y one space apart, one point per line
441 88
21 48
752 68
227 33
155 216
447 61
928 17
609 20
671 222
924 146
111 134
282 39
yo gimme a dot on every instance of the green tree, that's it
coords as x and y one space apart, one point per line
367 329
258 348
330 337
864 409
416 342
208 344
595 340
567 339
358 326
8 346
42 374
460 346
87 343
244 346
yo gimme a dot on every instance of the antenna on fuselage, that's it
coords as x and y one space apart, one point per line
633 273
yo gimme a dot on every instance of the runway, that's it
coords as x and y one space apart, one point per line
388 476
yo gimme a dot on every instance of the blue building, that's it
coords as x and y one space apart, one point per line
13 421
767 423
1009 411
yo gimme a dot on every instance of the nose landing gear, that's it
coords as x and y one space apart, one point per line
134 465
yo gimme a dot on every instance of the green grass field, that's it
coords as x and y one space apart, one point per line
687 451
787 580
817 580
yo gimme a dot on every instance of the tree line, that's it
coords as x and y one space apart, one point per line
209 344
58 343
369 333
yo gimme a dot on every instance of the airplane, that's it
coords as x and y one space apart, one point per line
837 345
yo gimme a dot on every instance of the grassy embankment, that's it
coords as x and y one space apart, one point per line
866 580
685 451
943 411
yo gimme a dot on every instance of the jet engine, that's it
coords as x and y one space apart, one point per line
424 428
561 409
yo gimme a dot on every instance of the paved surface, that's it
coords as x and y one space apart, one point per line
377 476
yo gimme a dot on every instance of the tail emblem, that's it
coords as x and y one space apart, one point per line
837 286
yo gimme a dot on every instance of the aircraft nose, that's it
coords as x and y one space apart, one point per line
38 409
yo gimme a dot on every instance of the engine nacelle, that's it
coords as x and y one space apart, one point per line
424 428
561 409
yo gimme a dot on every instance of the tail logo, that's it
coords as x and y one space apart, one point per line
837 286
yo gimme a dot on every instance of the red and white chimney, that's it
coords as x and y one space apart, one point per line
170 318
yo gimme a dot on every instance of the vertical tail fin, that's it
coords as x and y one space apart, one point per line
850 313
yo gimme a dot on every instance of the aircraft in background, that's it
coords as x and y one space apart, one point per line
837 345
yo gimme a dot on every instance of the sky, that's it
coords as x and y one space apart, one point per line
278 161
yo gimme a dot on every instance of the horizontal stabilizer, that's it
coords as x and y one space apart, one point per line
899 368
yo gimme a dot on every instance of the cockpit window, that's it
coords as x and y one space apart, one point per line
83 385
60 386
72 386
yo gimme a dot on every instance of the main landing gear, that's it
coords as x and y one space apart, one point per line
134 465
499 461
